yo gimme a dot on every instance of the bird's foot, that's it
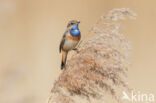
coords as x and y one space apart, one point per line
75 49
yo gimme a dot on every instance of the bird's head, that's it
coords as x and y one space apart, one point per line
73 24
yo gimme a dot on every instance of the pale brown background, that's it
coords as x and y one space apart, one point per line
30 32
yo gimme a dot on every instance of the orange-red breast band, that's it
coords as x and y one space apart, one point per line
74 38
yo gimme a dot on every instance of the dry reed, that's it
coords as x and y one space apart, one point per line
100 65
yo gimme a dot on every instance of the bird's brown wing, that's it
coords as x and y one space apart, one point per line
63 40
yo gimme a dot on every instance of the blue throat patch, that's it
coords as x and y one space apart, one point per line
75 31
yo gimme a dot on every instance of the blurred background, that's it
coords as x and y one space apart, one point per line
30 32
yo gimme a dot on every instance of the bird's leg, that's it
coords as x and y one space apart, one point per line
75 49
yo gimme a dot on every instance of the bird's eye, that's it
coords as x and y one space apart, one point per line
72 23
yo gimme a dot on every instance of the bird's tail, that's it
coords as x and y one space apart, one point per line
64 58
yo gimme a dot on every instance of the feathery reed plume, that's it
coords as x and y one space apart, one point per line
100 65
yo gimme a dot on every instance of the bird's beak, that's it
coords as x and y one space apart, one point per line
78 22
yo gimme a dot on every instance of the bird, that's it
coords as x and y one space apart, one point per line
69 41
